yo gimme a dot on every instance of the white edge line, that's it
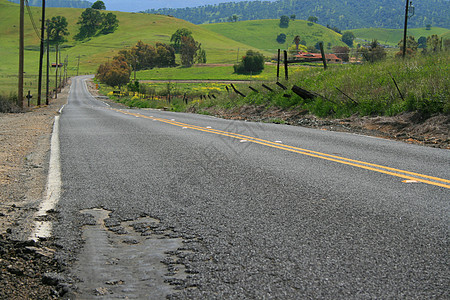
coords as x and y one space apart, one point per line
43 229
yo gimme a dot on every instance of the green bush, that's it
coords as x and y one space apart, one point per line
252 63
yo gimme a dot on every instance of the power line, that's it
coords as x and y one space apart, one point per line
32 20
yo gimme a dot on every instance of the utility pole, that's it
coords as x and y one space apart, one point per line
56 73
405 29
48 63
60 72
41 54
78 65
21 53
66 62
408 7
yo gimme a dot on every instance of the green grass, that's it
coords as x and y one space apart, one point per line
262 34
393 36
424 82
204 73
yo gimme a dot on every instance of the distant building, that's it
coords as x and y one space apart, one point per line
305 56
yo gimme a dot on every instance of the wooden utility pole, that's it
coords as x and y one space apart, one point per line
48 64
405 30
21 53
78 65
66 62
61 71
56 73
41 54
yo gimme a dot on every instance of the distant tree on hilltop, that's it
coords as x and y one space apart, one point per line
92 22
284 22
99 5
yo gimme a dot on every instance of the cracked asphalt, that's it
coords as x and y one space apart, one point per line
256 221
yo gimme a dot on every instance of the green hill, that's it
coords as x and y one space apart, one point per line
262 34
393 36
132 27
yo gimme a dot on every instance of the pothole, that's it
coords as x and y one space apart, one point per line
137 259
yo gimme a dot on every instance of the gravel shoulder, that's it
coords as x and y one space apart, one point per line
27 268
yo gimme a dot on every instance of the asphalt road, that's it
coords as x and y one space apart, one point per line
244 210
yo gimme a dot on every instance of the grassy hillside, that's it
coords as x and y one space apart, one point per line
262 34
393 36
132 27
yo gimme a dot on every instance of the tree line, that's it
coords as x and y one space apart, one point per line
143 56
345 15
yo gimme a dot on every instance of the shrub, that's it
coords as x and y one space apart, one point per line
8 103
116 73
252 62
281 38
284 22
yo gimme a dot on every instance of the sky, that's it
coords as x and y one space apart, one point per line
140 5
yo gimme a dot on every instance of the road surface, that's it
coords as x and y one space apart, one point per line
157 203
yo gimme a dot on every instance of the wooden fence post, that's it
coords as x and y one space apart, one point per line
286 73
278 64
324 59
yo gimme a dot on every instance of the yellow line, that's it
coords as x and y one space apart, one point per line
329 157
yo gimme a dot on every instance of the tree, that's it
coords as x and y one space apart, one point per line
252 62
165 55
293 50
234 18
334 28
56 30
188 50
281 38
411 47
296 41
201 56
342 52
313 19
374 52
313 49
90 21
293 17
176 38
422 41
93 22
348 37
99 5
143 56
284 22
447 44
109 24
116 73
434 43
411 44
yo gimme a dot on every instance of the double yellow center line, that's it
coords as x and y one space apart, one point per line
415 177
